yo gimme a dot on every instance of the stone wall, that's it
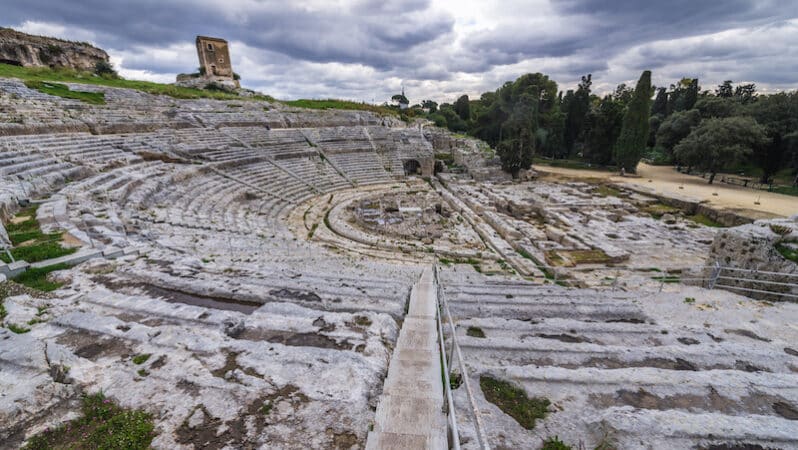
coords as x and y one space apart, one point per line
466 152
38 51
756 246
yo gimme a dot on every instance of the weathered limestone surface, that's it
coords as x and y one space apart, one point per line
755 247
29 50
629 370
266 328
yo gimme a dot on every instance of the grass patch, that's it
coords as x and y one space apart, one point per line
657 210
312 230
103 425
475 332
574 257
514 401
38 252
455 380
36 278
786 190
525 254
141 359
706 221
340 104
689 300
788 252
553 258
594 256
38 246
572 164
670 279
19 329
72 76
554 443
604 190
62 90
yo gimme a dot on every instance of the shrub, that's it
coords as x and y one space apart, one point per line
105 69
141 359
554 443
475 332
788 252
514 402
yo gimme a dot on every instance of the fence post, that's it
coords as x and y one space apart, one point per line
715 274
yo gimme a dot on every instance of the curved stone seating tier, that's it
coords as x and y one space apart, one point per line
607 352
364 167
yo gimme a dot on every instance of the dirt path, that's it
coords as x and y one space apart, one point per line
667 181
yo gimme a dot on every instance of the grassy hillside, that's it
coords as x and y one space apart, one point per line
40 74
340 104
50 81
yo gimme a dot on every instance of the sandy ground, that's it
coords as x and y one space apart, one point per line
667 181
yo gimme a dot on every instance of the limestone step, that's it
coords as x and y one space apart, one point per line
418 340
409 415
398 441
417 378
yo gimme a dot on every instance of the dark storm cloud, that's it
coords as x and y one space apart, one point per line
371 34
699 15
366 49
600 29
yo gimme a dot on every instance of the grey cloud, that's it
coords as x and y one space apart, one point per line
289 48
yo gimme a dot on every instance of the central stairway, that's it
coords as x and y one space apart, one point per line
410 412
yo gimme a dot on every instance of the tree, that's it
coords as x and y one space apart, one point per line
745 93
463 107
683 95
718 143
516 153
623 94
660 106
677 127
716 106
576 106
778 113
400 99
725 90
105 69
430 106
453 120
634 131
606 121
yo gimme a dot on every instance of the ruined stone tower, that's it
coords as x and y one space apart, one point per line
214 57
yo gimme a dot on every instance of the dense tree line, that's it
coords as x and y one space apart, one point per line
712 131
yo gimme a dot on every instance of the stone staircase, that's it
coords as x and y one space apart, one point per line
410 412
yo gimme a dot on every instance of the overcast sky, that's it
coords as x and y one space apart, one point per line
367 49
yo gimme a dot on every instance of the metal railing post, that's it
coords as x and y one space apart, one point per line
713 279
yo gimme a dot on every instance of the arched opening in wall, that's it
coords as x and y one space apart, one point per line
213 69
412 167
439 167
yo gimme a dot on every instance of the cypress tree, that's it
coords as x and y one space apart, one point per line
634 132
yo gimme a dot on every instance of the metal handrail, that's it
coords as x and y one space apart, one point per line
447 386
758 291
740 269
478 425
775 283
